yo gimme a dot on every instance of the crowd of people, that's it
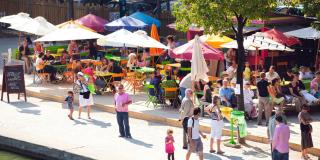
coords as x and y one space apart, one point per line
272 92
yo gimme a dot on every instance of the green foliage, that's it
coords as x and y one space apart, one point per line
312 8
217 16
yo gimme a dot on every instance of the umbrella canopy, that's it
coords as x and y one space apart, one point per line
128 23
155 36
38 26
185 51
199 68
149 41
16 19
257 41
305 33
92 21
146 19
70 31
215 41
281 38
120 38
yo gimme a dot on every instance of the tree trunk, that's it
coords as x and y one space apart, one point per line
70 10
240 61
122 7
168 6
159 8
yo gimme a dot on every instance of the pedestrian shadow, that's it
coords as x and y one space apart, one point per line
139 143
256 152
77 122
98 123
211 156
25 107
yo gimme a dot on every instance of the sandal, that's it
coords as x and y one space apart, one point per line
220 152
212 151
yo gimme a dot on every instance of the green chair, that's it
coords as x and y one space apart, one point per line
152 99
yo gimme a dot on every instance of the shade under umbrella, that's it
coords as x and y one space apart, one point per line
70 31
186 51
16 19
92 21
305 33
126 22
38 26
199 68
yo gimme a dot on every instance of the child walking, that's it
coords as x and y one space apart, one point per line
69 100
169 144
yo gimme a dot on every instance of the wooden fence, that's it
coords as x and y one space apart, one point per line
54 11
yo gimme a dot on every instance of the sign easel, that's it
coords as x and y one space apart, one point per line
13 81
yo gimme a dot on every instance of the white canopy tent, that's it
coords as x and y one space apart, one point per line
120 38
16 19
38 26
70 31
305 33
125 38
258 42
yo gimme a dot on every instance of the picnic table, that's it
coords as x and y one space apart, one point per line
105 76
144 70
115 58
177 65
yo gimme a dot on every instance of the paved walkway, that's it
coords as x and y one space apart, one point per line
139 106
46 123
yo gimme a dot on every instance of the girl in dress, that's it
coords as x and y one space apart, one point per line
169 144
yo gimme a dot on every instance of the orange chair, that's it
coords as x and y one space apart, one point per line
117 75
41 75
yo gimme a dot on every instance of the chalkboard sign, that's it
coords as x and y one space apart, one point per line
13 81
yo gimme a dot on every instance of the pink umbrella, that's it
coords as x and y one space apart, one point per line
92 21
185 51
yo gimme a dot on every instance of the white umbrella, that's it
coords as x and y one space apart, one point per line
38 26
199 68
16 19
70 31
148 41
120 38
257 41
305 33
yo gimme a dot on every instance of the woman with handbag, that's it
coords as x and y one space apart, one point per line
85 97
216 123
306 130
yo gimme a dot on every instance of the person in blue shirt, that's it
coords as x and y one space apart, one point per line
226 93
156 80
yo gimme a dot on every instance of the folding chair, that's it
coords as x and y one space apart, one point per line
40 75
68 76
117 75
151 93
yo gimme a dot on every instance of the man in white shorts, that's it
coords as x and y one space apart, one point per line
195 143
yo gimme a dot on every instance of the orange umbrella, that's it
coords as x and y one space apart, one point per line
154 35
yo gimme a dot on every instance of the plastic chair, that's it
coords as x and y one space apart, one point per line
152 99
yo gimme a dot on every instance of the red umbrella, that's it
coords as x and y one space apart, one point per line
281 38
92 21
185 51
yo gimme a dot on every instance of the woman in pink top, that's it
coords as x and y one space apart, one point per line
280 140
314 86
121 101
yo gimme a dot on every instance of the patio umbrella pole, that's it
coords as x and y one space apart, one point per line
317 55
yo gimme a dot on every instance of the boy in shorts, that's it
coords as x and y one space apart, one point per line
195 143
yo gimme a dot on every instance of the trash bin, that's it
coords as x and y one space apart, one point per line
226 112
238 120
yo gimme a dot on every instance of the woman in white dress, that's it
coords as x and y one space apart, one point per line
85 97
216 124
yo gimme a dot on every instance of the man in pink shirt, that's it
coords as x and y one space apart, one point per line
280 140
121 101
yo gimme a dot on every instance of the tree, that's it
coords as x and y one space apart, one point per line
218 16
312 8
